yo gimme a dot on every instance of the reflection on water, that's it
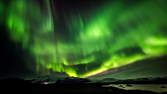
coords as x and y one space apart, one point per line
159 88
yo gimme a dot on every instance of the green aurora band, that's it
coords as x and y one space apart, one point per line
114 35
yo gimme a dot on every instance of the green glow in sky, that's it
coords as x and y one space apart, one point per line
114 36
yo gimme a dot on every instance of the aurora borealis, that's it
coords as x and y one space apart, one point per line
91 41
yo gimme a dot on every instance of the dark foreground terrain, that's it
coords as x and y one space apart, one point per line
77 85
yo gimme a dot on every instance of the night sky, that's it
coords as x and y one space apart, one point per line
81 38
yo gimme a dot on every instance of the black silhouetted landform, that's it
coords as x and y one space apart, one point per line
73 85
